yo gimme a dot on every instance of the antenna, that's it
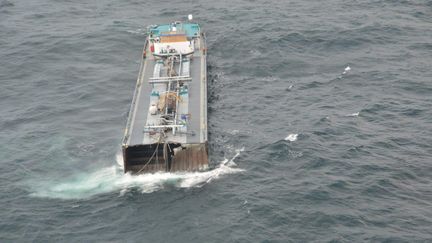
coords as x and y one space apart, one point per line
190 17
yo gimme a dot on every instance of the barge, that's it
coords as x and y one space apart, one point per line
167 124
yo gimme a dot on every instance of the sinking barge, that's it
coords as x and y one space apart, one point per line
167 123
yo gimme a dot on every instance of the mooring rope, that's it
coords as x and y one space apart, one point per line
165 155
157 147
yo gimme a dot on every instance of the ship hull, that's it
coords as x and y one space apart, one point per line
148 158
148 145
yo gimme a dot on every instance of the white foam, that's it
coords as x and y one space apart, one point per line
119 159
354 114
347 69
255 53
234 132
291 137
112 179
137 31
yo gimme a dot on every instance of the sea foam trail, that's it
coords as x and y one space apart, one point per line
112 179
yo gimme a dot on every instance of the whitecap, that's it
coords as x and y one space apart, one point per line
347 69
291 137
354 114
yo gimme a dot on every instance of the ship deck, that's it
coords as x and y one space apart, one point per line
196 103
141 134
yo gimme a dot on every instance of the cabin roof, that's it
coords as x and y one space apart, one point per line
173 36
189 29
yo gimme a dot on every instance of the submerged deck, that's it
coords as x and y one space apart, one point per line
148 144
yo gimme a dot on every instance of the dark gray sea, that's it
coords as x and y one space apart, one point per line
320 123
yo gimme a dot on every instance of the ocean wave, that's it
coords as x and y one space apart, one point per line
292 137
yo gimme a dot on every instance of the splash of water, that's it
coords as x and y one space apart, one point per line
291 137
112 179
345 72
347 69
354 114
